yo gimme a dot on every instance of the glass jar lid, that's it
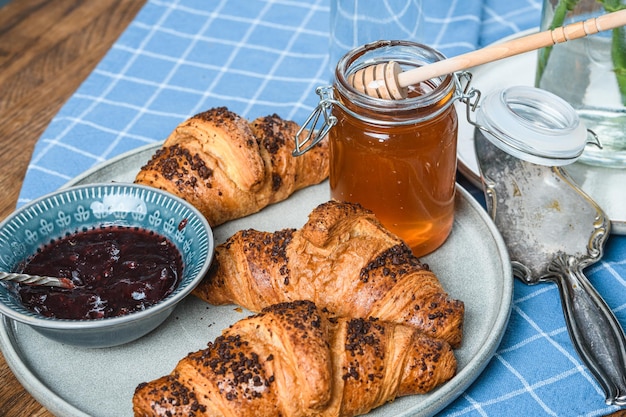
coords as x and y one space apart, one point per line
532 124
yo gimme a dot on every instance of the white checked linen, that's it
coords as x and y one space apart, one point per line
258 57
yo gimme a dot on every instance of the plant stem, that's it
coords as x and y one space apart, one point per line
560 11
618 47
618 53
618 41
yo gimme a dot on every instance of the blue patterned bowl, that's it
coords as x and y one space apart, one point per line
84 207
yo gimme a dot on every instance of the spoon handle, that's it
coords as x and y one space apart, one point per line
36 280
594 330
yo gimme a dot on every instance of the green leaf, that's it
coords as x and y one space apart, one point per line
618 54
612 5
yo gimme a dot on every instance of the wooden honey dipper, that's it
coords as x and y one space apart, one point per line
387 80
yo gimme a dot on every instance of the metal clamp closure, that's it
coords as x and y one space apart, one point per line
469 96
315 134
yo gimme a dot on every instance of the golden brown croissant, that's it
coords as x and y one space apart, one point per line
228 168
295 360
342 259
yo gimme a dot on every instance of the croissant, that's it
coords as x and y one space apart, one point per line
229 168
295 359
343 259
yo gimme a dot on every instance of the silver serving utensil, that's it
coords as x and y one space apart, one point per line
553 230
36 280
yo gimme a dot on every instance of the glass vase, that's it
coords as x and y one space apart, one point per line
590 74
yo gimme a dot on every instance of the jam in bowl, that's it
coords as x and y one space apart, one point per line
132 252
114 270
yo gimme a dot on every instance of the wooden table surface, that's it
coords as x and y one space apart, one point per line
47 48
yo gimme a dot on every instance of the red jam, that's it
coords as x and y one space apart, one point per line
116 270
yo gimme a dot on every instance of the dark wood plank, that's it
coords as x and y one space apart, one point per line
47 48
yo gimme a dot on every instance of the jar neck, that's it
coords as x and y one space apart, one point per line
425 102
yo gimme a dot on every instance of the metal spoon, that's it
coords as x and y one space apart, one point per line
36 280
553 230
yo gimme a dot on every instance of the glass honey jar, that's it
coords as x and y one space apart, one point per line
394 157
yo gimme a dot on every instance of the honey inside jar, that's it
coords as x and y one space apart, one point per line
399 160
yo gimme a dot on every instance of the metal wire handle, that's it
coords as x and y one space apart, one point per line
315 134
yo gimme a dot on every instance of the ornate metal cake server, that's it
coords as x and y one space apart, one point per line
553 230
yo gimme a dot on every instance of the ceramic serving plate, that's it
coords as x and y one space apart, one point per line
603 185
473 266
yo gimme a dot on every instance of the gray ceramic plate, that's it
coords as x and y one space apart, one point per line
473 265
604 185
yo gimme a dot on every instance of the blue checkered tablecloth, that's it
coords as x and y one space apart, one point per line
179 57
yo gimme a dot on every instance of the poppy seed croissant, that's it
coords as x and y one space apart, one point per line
343 259
293 360
229 168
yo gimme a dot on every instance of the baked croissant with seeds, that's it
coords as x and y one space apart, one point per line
293 359
229 168
342 259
